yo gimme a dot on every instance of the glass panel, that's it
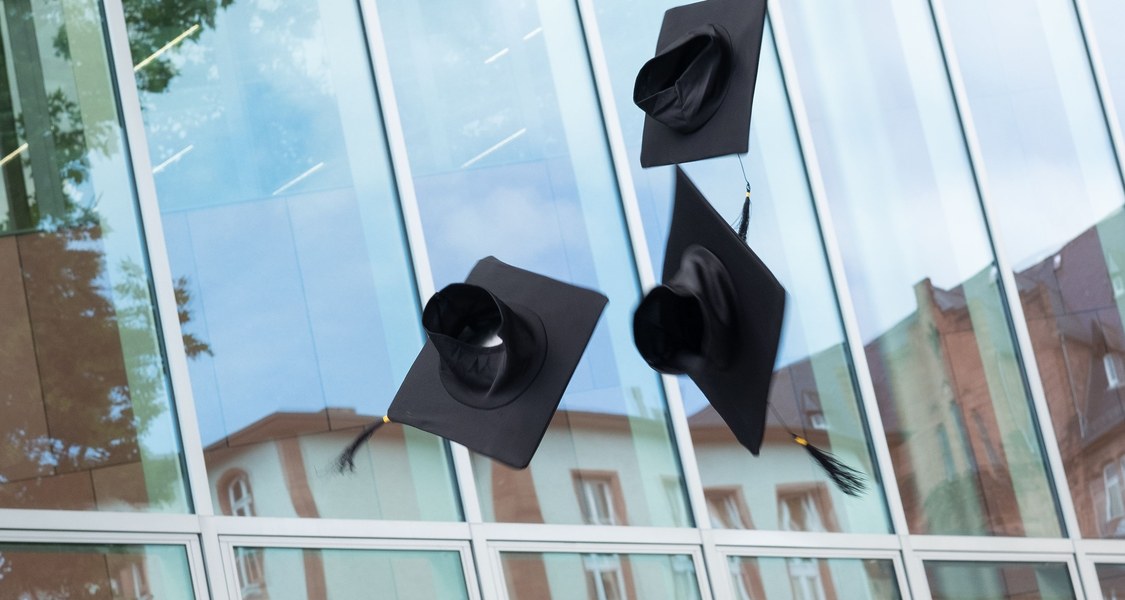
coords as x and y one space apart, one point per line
1112 580
813 387
300 315
1106 21
1043 138
522 172
916 254
43 571
533 575
88 421
812 578
998 581
280 573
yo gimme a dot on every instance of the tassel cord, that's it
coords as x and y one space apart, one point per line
346 460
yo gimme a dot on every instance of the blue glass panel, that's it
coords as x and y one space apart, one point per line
509 159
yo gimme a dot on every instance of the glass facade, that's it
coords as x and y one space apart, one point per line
330 573
999 581
930 310
813 578
94 571
87 420
220 220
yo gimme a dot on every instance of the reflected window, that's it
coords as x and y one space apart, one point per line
746 579
999 581
1114 499
239 498
599 495
806 508
605 579
251 577
1114 370
727 508
805 578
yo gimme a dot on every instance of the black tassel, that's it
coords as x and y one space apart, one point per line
849 480
744 222
346 460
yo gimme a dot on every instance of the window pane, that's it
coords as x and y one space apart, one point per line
1112 580
390 574
1043 137
812 578
1107 19
88 421
282 227
998 581
920 269
533 575
813 388
509 159
94 571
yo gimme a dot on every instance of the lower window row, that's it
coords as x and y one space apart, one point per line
149 572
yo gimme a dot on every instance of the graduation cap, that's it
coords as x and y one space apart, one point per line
717 318
501 348
698 89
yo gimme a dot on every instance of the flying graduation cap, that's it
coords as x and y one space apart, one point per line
717 318
501 348
698 90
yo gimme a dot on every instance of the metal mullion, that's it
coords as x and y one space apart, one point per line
588 534
337 543
801 540
917 582
162 280
838 275
219 571
641 259
77 520
1101 83
423 274
339 528
718 567
60 536
159 264
412 218
1026 352
1008 545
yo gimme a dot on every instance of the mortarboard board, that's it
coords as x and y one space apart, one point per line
717 316
501 348
698 90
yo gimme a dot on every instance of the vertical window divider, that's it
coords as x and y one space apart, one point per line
836 271
1105 96
715 574
1016 317
423 274
160 270
641 258
412 219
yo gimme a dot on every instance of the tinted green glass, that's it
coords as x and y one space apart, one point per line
531 575
94 571
282 227
294 573
87 416
812 579
509 159
998 581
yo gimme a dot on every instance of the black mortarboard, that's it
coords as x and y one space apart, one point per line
698 89
500 352
717 316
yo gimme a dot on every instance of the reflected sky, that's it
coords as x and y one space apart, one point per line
280 214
